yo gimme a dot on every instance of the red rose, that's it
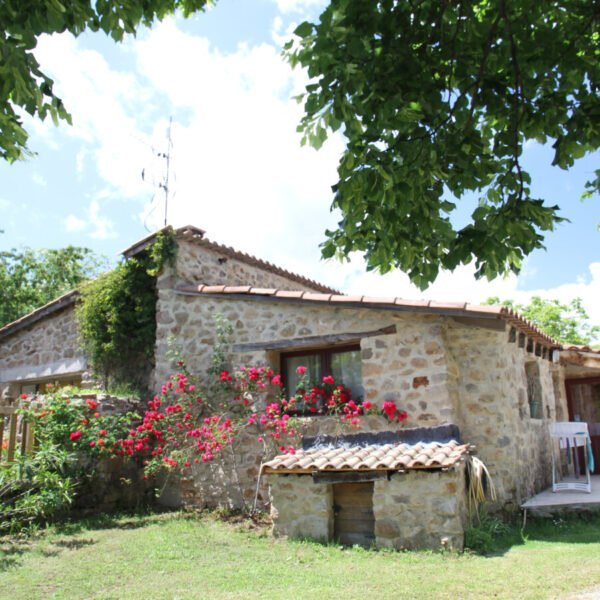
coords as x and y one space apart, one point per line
75 435
92 404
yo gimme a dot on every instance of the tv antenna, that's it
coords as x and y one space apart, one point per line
163 183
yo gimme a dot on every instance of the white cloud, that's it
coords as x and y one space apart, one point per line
99 226
39 179
74 224
106 106
280 34
103 226
288 6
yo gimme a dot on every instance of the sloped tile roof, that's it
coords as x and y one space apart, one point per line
40 313
388 457
463 309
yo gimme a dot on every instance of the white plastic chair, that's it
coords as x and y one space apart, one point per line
571 436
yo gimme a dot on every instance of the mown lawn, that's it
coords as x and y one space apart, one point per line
199 556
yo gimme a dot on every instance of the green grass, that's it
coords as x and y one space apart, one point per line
199 556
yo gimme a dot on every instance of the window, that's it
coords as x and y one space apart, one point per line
45 386
342 363
534 390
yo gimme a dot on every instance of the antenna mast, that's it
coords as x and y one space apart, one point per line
164 183
167 156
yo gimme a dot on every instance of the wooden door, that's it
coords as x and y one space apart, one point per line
354 522
583 398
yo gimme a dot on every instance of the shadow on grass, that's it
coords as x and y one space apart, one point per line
495 537
13 549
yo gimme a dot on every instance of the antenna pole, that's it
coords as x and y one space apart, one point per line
168 159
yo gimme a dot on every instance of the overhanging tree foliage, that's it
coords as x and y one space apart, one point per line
436 99
568 323
31 278
23 85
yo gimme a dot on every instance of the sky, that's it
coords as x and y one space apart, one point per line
237 168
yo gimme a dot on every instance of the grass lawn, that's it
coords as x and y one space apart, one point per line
198 556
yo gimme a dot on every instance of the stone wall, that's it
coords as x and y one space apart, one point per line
414 510
198 263
437 369
409 367
494 412
46 350
421 509
301 508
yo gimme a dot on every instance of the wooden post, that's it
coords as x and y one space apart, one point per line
12 437
1 433
30 438
24 432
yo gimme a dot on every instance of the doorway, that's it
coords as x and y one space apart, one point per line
583 400
354 521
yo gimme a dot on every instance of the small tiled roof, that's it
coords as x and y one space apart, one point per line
387 457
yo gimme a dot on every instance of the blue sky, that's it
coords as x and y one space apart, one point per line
238 169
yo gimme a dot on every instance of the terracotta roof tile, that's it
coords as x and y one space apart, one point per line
346 299
263 291
237 289
294 294
378 300
405 302
389 457
213 289
458 305
316 297
485 308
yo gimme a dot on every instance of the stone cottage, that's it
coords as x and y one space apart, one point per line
483 369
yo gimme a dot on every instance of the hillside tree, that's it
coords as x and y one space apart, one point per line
31 278
566 322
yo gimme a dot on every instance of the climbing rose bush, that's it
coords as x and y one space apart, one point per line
185 424
76 424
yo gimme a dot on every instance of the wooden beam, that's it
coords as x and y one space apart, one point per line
312 341
348 476
581 359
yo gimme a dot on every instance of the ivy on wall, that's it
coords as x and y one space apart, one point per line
117 316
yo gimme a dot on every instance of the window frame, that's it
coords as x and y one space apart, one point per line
325 355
